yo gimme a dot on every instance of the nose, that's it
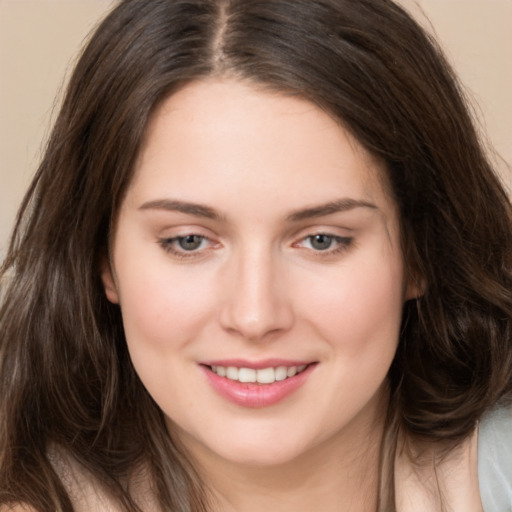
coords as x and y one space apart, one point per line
256 303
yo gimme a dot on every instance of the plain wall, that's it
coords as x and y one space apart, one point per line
40 39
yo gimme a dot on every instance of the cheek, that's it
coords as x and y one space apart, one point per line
163 313
162 307
358 306
358 312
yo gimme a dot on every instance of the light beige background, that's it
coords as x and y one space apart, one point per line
39 41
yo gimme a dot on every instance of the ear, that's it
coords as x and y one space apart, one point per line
107 278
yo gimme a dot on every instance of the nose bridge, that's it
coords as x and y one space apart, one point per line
257 302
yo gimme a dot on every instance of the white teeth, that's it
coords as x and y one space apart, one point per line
291 371
246 375
261 376
281 373
266 376
232 373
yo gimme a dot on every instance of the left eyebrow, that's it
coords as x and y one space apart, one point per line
340 205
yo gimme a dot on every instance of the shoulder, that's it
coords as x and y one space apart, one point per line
495 459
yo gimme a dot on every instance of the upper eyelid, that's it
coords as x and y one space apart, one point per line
181 231
334 231
323 226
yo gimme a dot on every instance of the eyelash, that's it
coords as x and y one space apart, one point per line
342 244
169 245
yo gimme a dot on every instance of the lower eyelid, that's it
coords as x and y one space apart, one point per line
342 245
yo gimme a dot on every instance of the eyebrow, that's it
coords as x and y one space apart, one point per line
339 205
200 210
174 205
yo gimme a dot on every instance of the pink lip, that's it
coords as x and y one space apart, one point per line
256 395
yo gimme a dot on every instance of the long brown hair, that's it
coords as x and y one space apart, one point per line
66 377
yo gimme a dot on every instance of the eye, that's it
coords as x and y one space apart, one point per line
325 243
187 245
190 242
321 242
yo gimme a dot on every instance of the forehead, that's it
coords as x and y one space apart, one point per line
223 131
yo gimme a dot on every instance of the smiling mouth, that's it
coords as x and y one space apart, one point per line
257 384
260 376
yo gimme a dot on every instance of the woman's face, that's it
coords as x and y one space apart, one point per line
257 264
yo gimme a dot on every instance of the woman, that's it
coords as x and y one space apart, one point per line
264 263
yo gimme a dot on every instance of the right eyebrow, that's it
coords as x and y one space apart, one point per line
196 209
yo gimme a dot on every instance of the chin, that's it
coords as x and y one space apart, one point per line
262 457
262 448
250 447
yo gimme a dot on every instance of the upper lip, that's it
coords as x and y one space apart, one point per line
257 365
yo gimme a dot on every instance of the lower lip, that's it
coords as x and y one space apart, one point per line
256 395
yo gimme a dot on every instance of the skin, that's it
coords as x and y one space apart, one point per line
257 287
441 482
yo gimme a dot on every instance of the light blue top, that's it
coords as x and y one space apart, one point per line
495 460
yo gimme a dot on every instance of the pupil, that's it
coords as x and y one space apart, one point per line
190 242
321 242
